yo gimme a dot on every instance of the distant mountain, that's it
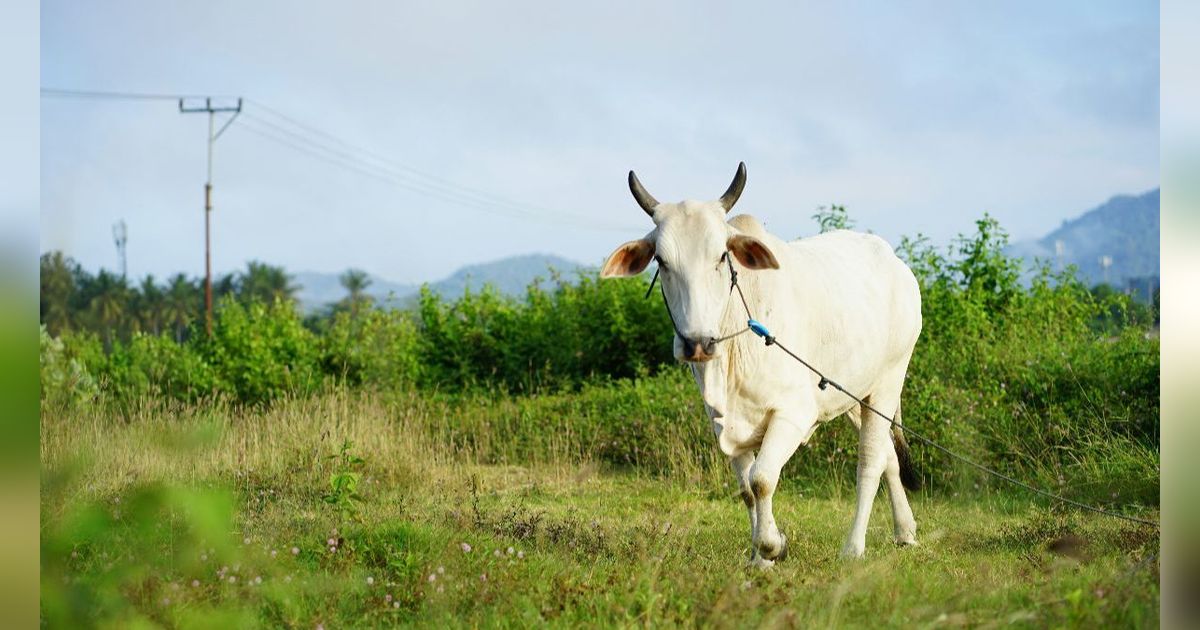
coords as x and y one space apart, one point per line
1123 230
509 276
318 289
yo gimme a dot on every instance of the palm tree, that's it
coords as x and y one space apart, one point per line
267 283
181 303
57 288
356 281
109 303
149 305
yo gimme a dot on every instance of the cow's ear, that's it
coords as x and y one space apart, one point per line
630 259
751 252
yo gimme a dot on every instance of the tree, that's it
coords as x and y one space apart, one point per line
108 307
356 281
265 283
148 305
833 217
57 290
181 304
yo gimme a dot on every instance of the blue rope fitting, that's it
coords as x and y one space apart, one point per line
759 329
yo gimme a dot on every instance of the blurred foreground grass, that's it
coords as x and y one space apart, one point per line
195 517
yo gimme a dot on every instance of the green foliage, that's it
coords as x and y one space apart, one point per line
65 378
262 352
833 217
343 482
107 562
376 347
155 366
554 338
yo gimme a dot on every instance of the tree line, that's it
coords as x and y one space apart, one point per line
114 308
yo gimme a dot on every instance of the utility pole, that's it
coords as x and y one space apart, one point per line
212 112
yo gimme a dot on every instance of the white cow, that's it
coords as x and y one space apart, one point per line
842 300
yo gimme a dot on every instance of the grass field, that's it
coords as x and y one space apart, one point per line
205 516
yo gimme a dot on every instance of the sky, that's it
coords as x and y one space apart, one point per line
411 138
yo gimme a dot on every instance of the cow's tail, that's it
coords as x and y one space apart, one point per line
908 472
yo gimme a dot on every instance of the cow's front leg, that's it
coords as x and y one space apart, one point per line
783 436
741 467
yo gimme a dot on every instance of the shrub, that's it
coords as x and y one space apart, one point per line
262 351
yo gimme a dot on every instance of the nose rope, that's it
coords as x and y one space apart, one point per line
732 284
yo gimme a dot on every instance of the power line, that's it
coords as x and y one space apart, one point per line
491 197
460 195
311 140
298 143
122 96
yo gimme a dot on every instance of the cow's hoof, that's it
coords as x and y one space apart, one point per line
776 552
761 563
907 542
853 552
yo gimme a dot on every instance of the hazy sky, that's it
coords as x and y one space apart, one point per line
917 116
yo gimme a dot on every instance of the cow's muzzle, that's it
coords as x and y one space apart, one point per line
698 350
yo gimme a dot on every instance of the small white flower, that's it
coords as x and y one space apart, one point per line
442 570
274 553
511 551
395 604
466 548
232 579
331 542
246 540
520 554
295 551
195 583
432 577
370 580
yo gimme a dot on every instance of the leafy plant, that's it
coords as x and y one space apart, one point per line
343 482
832 217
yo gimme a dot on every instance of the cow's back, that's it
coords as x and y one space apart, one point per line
855 304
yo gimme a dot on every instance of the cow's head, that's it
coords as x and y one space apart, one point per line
689 241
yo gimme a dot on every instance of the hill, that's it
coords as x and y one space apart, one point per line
1123 231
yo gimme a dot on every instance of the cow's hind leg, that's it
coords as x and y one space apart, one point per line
741 467
874 444
901 475
877 455
783 436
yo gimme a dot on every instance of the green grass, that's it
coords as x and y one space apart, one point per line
137 507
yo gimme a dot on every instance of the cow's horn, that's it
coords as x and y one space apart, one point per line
644 199
735 189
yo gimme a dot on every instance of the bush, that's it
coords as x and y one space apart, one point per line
262 352
375 347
